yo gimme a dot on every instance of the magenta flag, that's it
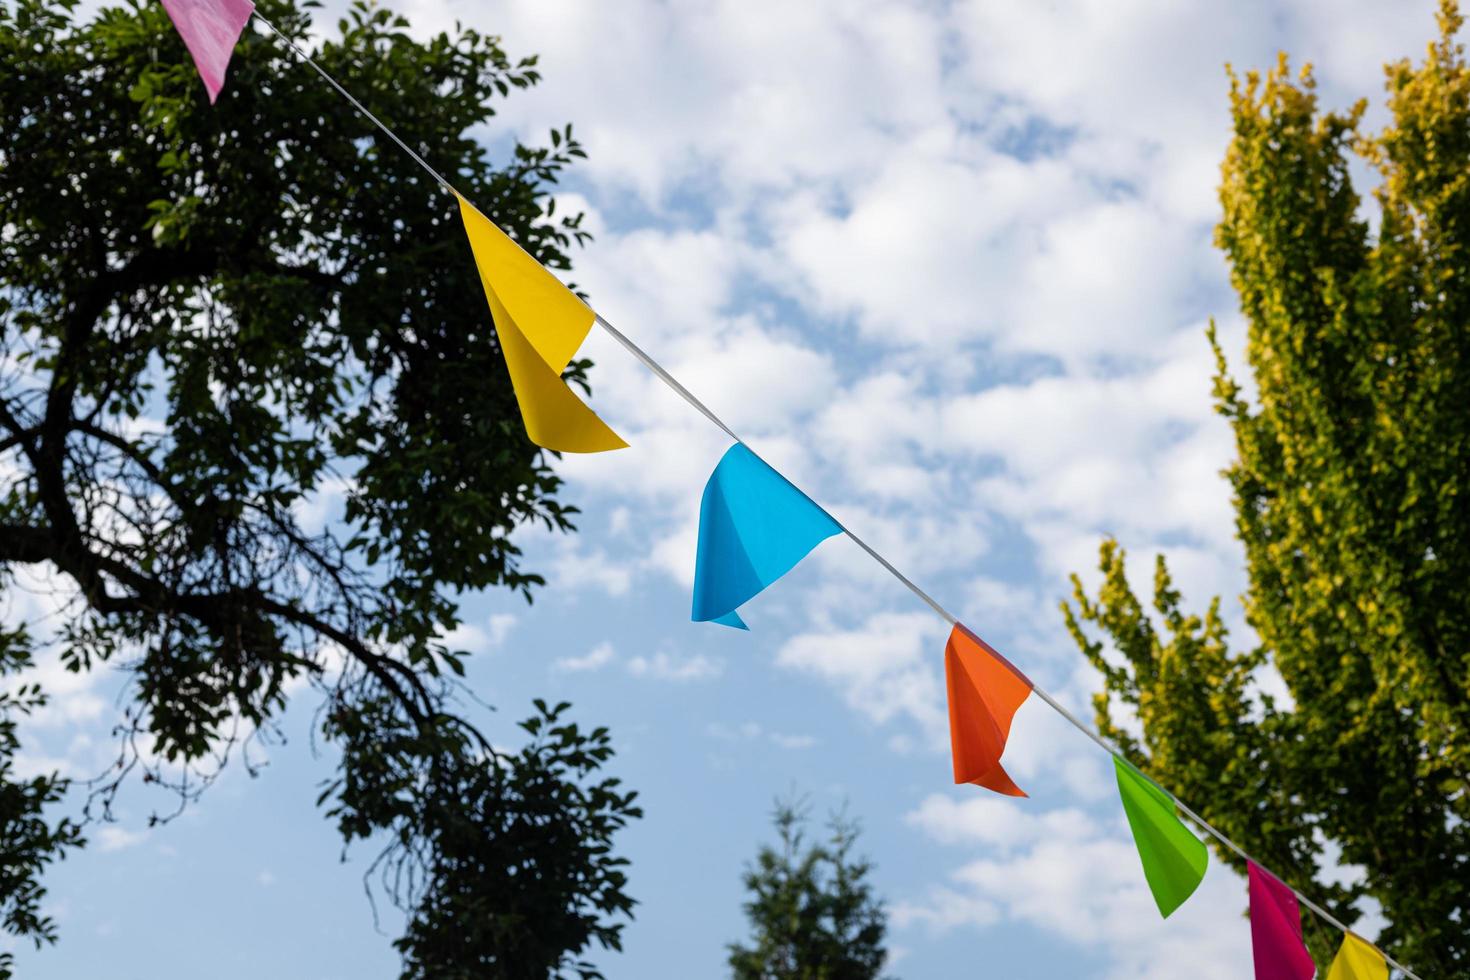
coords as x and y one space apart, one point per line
210 29
1276 929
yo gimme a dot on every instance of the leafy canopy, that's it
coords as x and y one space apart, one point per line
812 913
1352 498
215 318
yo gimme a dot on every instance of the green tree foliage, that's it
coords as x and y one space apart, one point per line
30 841
1352 494
214 315
812 912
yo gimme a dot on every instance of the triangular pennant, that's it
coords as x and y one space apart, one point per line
984 693
1174 860
1276 929
754 526
541 324
210 29
1357 959
731 619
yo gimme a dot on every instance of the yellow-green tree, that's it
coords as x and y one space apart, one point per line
1352 495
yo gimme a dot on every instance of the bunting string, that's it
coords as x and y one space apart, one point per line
360 107
1144 798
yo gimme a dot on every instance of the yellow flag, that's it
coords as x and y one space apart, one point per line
541 324
1357 960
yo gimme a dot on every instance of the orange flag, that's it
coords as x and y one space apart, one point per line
984 693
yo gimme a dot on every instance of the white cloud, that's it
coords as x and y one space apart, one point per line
793 741
478 638
574 569
883 667
324 504
111 837
466 636
750 730
30 763
1067 873
596 658
500 625
724 77
1002 824
664 667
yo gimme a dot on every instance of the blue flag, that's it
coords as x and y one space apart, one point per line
754 526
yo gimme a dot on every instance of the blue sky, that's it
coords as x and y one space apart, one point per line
948 266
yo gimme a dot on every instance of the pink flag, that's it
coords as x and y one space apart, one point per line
1276 929
210 29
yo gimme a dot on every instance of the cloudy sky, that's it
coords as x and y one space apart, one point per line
948 265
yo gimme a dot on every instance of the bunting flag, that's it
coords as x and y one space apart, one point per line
754 526
1174 860
1357 959
210 29
1276 929
984 693
540 323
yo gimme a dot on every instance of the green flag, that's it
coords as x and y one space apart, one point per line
1173 859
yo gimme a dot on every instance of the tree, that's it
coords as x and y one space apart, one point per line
812 912
213 315
1352 497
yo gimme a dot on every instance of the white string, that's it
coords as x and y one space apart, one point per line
359 106
664 375
684 393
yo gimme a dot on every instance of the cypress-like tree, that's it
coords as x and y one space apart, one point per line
813 915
